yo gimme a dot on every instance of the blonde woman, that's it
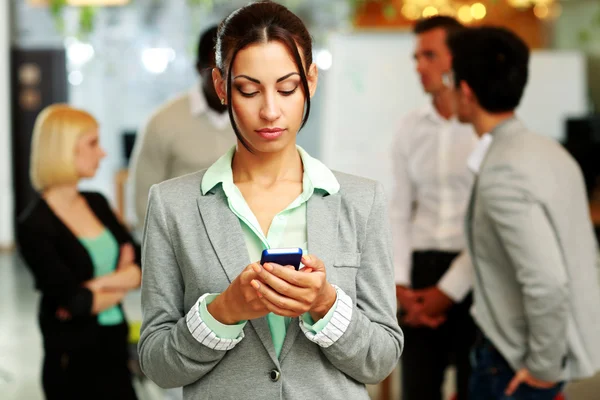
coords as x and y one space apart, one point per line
83 260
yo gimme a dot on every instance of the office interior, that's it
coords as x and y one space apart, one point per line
121 59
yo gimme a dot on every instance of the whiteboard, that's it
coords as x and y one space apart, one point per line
372 84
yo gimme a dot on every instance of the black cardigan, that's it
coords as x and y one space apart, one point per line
60 265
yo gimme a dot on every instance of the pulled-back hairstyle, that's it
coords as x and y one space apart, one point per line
262 22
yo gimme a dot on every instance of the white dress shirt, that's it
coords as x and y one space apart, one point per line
478 155
432 189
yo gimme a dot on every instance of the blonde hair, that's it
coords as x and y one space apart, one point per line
55 133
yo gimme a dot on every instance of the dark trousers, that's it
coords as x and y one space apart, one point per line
428 352
492 374
97 372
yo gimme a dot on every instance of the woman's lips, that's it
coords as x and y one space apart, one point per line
270 133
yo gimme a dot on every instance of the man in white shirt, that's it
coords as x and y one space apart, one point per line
528 231
432 186
187 134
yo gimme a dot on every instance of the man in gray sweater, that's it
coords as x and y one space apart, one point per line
187 134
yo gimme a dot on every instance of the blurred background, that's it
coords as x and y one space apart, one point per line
121 59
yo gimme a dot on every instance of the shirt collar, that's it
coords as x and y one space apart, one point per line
199 106
429 111
478 155
316 174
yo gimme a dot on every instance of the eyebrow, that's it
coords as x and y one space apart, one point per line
424 52
283 78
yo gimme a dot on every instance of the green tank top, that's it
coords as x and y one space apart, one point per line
104 252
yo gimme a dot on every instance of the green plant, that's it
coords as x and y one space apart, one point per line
56 8
86 17
209 3
87 13
587 34
354 4
389 9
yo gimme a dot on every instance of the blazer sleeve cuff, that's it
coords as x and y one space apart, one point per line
336 326
210 332
553 374
318 326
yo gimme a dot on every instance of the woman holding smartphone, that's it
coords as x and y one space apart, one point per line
215 320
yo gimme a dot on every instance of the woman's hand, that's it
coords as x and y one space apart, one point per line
103 300
239 302
290 293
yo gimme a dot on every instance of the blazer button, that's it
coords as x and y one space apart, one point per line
274 375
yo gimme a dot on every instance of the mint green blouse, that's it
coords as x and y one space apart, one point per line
288 229
104 252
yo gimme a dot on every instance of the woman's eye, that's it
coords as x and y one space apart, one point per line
288 92
247 93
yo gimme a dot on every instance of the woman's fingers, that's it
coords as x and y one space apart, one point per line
277 303
313 262
289 278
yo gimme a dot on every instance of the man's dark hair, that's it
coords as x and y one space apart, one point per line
449 24
205 58
494 62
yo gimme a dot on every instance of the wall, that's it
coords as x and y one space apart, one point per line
580 16
6 198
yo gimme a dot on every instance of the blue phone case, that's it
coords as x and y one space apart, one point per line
288 256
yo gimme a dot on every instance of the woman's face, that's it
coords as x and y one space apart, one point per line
267 95
88 154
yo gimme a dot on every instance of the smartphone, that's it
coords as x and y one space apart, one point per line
286 256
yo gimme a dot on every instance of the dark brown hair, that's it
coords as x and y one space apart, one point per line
205 56
262 22
494 62
444 22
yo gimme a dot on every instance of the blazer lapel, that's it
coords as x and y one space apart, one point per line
322 213
224 232
469 217
226 236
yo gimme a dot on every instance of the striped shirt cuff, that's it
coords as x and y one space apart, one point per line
202 332
338 324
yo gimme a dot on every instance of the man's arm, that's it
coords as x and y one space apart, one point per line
149 164
457 282
401 210
527 234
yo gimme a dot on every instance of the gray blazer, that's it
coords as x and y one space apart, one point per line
193 244
537 296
